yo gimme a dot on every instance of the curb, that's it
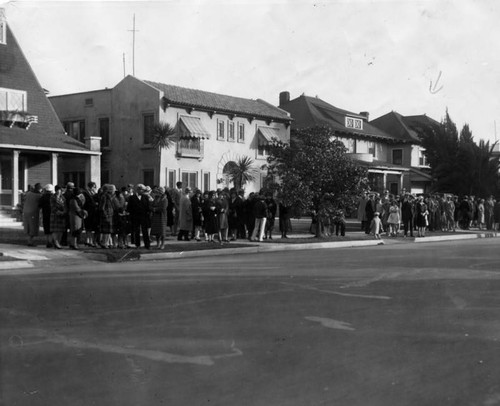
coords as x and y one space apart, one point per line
262 248
10 265
455 237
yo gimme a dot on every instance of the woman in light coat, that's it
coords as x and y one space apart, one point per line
76 216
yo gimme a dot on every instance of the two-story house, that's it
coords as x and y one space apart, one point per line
213 132
33 145
367 144
409 152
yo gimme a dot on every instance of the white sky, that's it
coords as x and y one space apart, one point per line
358 55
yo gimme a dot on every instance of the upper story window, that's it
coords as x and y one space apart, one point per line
104 131
13 100
356 123
422 159
75 129
220 130
397 156
241 132
3 28
372 149
230 132
148 126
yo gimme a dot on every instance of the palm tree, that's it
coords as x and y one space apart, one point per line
242 172
163 138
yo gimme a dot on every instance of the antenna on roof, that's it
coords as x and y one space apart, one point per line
133 30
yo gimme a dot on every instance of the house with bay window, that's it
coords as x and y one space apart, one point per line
390 156
212 132
34 147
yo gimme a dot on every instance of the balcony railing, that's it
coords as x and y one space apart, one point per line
190 148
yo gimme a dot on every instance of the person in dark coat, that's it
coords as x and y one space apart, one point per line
197 208
210 215
234 214
159 208
272 208
260 214
139 211
285 223
249 216
369 210
408 214
44 203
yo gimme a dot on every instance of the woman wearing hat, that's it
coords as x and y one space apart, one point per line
159 207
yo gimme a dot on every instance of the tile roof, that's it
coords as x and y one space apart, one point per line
48 132
218 102
309 111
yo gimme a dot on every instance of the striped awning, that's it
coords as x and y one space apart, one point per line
192 127
269 134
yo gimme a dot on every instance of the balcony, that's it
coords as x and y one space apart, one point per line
190 148
20 119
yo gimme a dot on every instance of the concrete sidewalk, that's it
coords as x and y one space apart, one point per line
27 257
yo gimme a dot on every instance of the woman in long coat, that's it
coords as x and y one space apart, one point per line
31 213
48 191
223 217
107 207
185 216
421 214
197 207
76 215
210 215
57 216
159 207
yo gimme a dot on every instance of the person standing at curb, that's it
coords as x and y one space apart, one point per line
185 216
48 191
176 200
376 225
140 210
260 214
31 213
77 214
407 214
57 216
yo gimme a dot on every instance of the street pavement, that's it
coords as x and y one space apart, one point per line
397 324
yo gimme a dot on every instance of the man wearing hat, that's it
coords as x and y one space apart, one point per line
68 194
139 209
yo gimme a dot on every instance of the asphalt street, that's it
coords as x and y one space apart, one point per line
408 324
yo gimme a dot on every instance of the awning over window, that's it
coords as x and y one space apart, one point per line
192 127
268 134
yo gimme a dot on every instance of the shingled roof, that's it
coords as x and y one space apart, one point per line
48 133
404 128
309 111
218 102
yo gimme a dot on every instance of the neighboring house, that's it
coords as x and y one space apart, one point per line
212 132
372 147
409 152
33 145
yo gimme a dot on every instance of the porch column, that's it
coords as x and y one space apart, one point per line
401 182
25 174
385 181
93 166
15 178
53 168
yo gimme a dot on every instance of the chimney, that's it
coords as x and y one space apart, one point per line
365 114
284 98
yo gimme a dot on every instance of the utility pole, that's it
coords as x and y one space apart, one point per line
133 46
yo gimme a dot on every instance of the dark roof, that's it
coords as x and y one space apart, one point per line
404 128
218 102
309 111
48 133
377 164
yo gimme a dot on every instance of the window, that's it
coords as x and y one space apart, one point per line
171 178
190 179
190 147
148 124
220 130
422 159
104 131
356 123
397 156
149 177
105 177
75 129
230 132
206 181
371 149
12 100
78 178
263 150
241 132
89 102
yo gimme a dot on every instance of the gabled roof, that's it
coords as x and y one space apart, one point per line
404 128
309 111
48 133
218 102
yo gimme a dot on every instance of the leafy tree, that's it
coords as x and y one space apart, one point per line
164 137
242 172
314 173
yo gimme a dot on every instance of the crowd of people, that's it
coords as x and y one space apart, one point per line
135 216
411 215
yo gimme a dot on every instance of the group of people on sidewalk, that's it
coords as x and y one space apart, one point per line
132 216
411 214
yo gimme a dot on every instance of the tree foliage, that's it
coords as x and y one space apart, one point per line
458 164
242 172
164 137
314 173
